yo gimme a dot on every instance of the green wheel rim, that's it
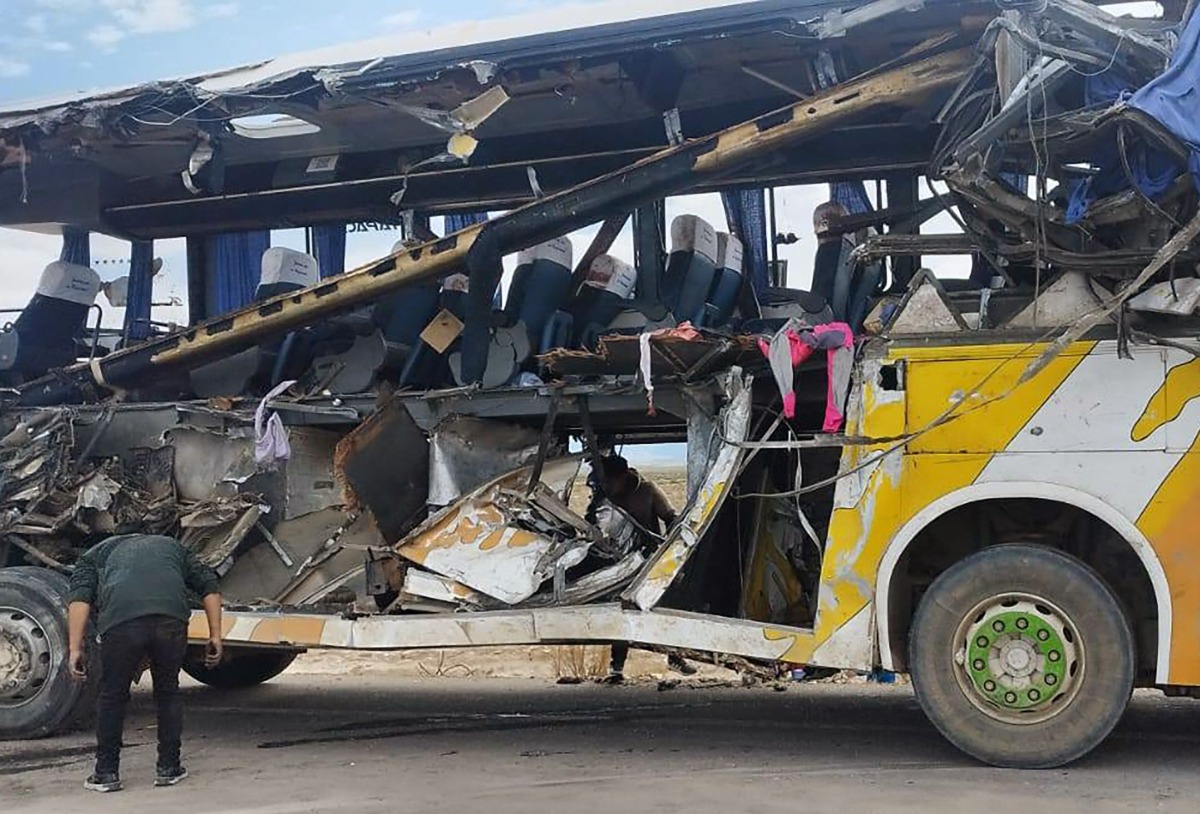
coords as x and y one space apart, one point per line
1018 658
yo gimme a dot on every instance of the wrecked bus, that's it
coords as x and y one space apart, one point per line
981 482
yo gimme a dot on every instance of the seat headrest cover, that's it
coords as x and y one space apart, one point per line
457 282
558 251
280 265
690 233
612 275
69 282
730 254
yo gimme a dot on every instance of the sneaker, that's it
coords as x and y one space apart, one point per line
613 679
103 783
171 776
680 665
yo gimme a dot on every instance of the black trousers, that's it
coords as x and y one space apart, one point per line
161 640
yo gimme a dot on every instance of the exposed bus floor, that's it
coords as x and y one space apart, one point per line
369 743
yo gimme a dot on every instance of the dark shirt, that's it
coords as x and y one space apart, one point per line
646 504
137 575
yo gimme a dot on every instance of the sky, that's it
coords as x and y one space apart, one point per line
54 47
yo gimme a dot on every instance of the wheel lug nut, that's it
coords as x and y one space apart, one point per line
1034 695
990 686
1054 655
998 626
982 641
978 664
1010 697
1043 635
1022 623
1051 679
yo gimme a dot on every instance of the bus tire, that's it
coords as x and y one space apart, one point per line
38 696
1022 657
239 668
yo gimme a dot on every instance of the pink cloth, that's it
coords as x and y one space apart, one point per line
837 340
839 360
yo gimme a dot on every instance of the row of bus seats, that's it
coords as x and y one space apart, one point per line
702 283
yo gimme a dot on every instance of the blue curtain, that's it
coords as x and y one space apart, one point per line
459 221
234 266
141 275
746 212
852 195
76 246
329 246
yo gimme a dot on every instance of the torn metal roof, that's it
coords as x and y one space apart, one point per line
364 122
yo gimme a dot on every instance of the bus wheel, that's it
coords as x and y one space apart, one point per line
240 667
38 697
1022 657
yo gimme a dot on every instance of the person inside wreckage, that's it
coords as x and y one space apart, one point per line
627 507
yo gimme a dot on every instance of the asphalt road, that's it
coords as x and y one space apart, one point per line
376 744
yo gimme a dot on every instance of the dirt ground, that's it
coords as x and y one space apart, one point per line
375 734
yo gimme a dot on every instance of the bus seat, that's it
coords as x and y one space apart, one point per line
284 271
727 285
540 287
607 289
691 268
48 331
425 368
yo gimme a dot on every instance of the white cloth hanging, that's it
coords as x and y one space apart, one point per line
270 436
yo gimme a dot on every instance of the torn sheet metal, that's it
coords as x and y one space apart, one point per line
383 466
594 586
465 453
1067 299
424 585
210 463
1173 297
498 542
667 563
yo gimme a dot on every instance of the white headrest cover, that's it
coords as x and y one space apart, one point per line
280 265
729 253
69 282
558 251
692 234
612 275
457 282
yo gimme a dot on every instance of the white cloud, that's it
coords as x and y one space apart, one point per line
10 68
57 45
106 36
152 16
220 10
36 23
403 19
64 5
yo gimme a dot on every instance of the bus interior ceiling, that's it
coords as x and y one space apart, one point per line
380 438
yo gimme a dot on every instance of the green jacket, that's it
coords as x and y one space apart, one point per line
137 575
